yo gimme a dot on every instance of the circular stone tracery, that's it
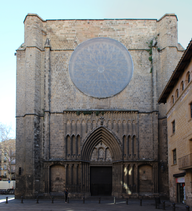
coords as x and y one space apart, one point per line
101 67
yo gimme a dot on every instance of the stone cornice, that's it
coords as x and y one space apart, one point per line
90 111
70 49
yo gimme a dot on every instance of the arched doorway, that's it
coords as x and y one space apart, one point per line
145 179
57 178
101 149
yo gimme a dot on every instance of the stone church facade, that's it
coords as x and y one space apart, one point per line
87 112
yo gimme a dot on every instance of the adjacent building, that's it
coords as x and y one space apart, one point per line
87 112
7 159
178 96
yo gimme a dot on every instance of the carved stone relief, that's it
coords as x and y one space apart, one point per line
101 153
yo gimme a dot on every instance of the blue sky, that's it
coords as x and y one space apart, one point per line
12 30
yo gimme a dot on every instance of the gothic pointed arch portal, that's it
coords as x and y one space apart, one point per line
101 149
101 144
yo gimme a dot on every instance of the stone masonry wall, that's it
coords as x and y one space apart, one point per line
47 100
65 35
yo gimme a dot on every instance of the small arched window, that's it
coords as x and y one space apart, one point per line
182 85
172 99
177 93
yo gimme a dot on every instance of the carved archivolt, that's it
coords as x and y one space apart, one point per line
94 140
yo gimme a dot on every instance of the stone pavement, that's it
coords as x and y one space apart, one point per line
90 205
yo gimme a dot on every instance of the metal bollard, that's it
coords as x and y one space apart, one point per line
37 200
7 200
126 201
99 200
163 205
67 199
187 208
155 203
83 200
140 202
52 199
21 199
173 206
114 200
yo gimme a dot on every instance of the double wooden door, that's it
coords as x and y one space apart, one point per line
101 181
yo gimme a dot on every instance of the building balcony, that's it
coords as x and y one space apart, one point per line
185 162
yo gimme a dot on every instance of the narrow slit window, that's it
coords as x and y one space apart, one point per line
173 126
188 77
177 93
173 99
174 157
182 85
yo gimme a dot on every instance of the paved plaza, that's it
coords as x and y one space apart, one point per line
92 204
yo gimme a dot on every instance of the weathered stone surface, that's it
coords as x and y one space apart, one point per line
58 126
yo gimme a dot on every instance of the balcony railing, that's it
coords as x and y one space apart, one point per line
185 162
